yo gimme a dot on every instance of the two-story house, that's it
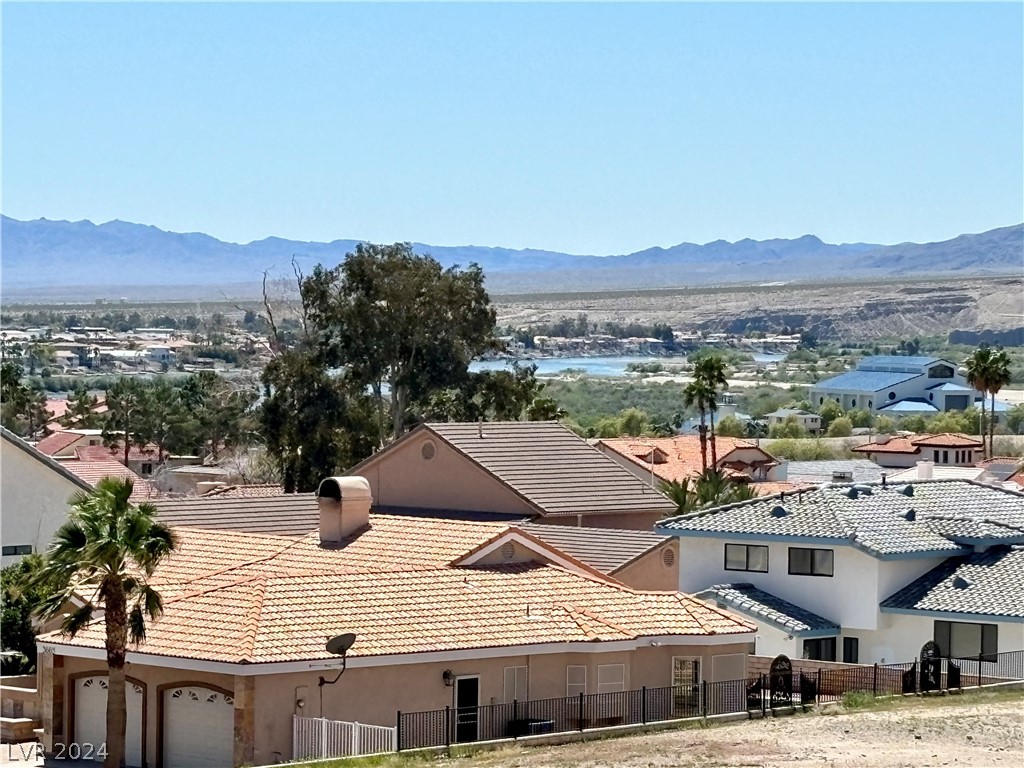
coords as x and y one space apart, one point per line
942 449
865 573
897 385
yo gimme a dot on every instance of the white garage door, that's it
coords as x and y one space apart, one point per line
91 718
198 728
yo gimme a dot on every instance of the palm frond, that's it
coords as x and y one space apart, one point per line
78 619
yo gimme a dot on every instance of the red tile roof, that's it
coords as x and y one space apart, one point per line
272 618
103 453
94 471
251 491
678 458
57 442
914 443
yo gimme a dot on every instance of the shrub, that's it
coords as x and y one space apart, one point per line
841 427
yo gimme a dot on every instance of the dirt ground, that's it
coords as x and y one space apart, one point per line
980 732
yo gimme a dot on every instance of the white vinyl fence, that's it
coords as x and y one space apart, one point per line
318 737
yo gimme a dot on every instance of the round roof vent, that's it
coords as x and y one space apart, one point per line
508 550
427 450
668 557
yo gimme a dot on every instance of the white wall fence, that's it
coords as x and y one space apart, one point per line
318 737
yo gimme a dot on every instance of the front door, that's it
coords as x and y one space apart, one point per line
686 685
467 702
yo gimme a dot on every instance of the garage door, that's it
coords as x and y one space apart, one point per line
91 718
198 728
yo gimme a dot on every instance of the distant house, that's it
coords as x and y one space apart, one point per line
868 572
898 385
540 471
811 422
945 449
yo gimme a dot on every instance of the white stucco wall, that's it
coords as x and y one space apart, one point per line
899 637
849 597
33 500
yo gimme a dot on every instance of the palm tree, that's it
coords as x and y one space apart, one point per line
104 554
979 370
711 370
698 395
710 489
998 377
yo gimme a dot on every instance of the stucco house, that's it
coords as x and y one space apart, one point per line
895 385
678 458
539 470
942 449
865 573
443 610
811 422
34 497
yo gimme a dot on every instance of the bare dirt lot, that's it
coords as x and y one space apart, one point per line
876 309
977 730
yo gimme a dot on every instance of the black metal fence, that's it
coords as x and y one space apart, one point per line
453 725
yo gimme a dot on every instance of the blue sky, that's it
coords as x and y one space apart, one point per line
585 128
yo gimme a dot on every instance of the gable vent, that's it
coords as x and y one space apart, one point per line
508 550
668 557
961 583
779 512
427 450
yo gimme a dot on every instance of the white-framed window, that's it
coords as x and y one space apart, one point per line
516 681
611 677
575 680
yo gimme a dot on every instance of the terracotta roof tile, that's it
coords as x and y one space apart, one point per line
287 618
251 491
678 458
103 453
914 443
94 471
56 442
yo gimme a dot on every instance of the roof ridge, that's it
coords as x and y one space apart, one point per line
250 630
705 627
577 613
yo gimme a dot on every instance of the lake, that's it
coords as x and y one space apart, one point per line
597 366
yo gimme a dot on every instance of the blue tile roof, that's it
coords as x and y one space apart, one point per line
865 381
763 606
893 520
910 405
898 360
987 583
950 387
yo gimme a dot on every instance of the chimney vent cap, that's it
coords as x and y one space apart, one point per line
349 488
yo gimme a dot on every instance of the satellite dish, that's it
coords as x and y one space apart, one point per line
339 645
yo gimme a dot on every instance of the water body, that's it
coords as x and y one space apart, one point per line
596 366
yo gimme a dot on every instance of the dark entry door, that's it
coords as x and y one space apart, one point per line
467 702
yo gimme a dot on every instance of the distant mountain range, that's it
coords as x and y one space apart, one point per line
43 258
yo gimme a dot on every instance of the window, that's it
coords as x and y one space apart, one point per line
821 400
959 639
945 457
575 680
940 372
17 549
746 557
851 650
820 649
892 395
147 469
611 677
935 453
810 562
515 684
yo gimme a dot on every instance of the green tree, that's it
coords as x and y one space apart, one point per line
18 598
841 427
790 428
81 411
104 555
730 426
634 422
711 372
884 425
37 355
917 424
709 489
700 396
126 421
999 377
828 411
398 319
218 411
1015 419
979 375
859 417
